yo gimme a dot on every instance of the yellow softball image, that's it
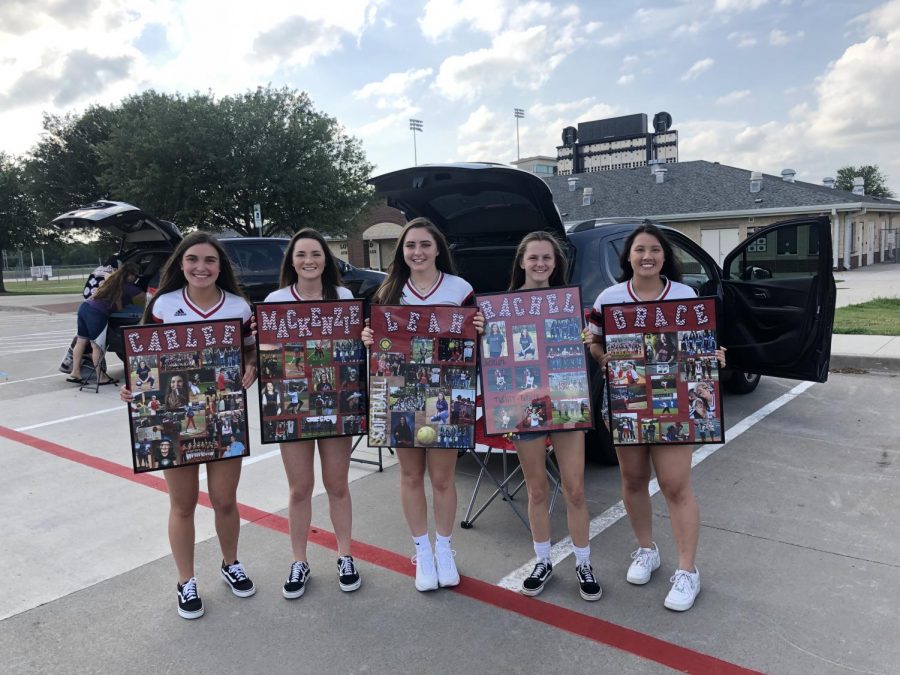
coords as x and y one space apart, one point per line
426 435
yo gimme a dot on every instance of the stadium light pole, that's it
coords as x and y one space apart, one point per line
519 113
414 126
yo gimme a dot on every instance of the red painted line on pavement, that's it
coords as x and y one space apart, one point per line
604 632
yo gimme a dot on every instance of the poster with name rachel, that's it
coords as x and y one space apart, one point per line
188 406
534 375
312 377
663 376
422 377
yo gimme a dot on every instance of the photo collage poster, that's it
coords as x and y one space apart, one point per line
663 376
422 377
188 405
312 370
534 374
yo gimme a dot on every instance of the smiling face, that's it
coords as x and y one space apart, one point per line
420 250
308 259
646 256
538 262
200 265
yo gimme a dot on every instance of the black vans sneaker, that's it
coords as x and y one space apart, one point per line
190 606
541 573
235 577
295 586
348 576
588 586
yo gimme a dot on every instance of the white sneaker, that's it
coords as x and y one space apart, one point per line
446 567
685 589
644 562
426 574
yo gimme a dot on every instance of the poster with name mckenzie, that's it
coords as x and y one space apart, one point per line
422 377
312 370
663 376
188 406
534 375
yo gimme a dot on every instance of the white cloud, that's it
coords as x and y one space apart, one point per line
592 27
625 79
737 5
697 69
733 97
742 39
441 17
779 37
394 85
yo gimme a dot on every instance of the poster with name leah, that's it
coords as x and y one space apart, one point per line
312 370
534 374
188 406
663 376
422 377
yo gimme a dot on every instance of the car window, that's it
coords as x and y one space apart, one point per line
695 272
256 255
789 252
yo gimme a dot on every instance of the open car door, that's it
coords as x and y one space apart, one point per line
779 296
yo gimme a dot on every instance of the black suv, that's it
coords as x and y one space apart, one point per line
776 313
148 242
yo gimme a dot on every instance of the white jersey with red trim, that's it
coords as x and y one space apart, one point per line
290 294
623 292
447 290
176 307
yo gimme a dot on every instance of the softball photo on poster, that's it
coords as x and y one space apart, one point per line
663 376
422 377
188 406
312 369
533 366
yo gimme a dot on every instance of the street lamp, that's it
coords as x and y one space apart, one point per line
519 114
414 126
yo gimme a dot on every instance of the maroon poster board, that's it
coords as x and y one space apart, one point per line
422 377
663 377
312 363
188 405
534 374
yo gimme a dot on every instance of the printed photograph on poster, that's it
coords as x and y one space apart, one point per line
663 376
534 371
188 406
422 377
312 370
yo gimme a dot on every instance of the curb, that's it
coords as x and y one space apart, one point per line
860 362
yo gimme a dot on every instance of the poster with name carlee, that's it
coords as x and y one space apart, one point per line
534 375
312 377
663 376
188 406
422 377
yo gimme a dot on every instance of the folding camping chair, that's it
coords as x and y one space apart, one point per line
90 375
492 445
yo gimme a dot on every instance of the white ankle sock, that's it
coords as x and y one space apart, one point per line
441 542
582 555
542 550
422 543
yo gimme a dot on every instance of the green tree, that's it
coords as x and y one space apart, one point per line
875 180
18 223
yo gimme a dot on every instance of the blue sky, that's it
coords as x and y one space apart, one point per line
759 84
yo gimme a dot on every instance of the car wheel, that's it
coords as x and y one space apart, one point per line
742 383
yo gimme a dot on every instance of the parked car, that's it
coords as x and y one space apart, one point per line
776 310
149 241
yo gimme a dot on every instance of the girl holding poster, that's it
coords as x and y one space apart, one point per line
541 263
198 284
422 273
650 272
310 272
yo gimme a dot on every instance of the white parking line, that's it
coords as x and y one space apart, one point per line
69 419
30 379
563 548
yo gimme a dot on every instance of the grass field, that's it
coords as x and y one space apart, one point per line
880 316
41 287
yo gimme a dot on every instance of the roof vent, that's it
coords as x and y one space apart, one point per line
573 184
755 181
654 165
828 182
788 175
588 197
660 175
859 185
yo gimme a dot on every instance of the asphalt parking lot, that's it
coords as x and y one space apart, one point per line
799 569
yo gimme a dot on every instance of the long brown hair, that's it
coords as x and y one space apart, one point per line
398 271
113 289
172 277
560 262
671 268
331 274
